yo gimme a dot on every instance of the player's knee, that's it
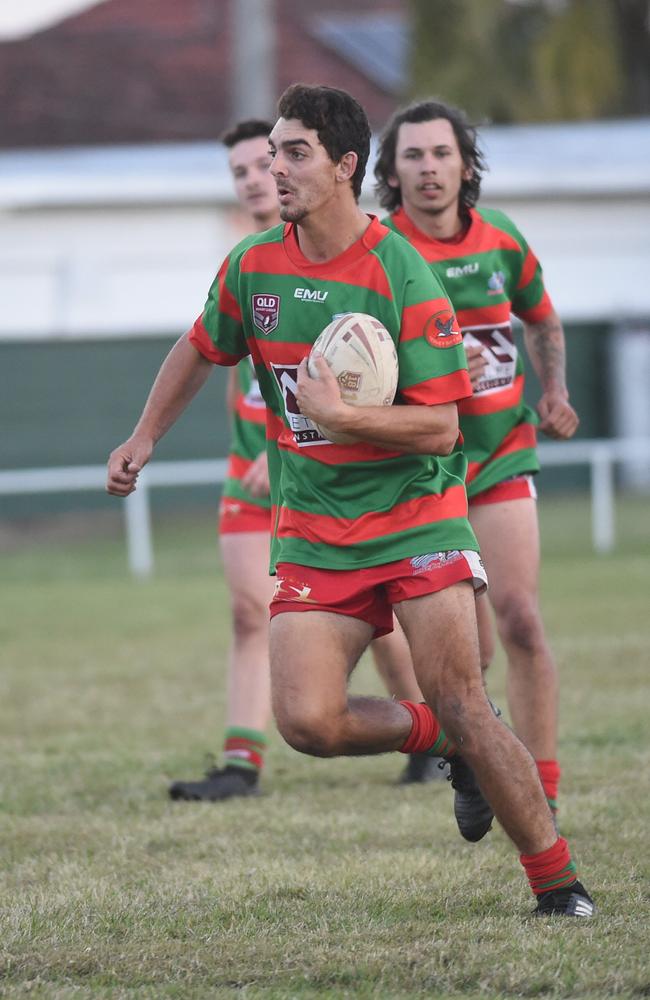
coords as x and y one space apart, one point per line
461 710
520 624
248 615
309 734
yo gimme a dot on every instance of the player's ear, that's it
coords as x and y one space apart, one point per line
346 166
392 181
467 173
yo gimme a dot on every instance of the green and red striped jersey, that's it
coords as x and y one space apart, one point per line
248 435
489 273
344 506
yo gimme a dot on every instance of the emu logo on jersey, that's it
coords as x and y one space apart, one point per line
266 312
310 295
441 330
460 272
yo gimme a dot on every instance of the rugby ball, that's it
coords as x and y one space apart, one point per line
362 356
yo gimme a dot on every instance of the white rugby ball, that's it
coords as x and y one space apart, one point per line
361 353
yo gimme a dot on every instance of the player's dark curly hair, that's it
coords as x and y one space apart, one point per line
249 128
340 122
425 111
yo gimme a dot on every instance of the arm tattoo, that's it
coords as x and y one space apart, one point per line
545 346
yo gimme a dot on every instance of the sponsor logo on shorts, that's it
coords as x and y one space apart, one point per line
441 330
289 589
434 560
266 312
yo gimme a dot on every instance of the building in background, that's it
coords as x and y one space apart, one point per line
119 71
110 237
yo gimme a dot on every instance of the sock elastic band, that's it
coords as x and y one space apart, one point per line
427 735
244 748
549 775
550 869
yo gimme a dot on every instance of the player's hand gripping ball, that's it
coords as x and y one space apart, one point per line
362 356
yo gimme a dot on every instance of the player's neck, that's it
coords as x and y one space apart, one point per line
267 222
326 235
441 225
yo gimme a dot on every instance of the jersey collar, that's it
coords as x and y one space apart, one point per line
373 235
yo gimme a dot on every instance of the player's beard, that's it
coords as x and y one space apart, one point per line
437 209
292 213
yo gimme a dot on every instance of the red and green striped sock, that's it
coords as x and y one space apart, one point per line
550 869
427 735
244 748
549 775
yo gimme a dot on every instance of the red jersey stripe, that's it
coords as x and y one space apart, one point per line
483 315
253 414
341 531
493 402
328 454
539 312
228 304
272 258
201 340
238 466
274 426
444 389
415 318
280 352
481 237
520 437
530 265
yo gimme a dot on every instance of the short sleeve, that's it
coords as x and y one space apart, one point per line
218 333
530 300
432 361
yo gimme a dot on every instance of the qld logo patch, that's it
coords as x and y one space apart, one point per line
441 330
266 312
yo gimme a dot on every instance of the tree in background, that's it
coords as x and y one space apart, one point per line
533 60
633 23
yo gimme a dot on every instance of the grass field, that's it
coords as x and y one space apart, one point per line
335 883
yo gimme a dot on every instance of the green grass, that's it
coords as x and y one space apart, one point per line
335 883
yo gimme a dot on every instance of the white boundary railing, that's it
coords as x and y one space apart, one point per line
601 455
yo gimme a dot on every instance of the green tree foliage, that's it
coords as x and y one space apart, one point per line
532 61
633 32
575 66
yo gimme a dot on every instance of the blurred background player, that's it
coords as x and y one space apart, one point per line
244 532
429 171
245 519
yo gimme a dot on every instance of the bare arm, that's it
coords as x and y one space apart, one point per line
476 363
256 477
414 430
545 345
231 390
181 375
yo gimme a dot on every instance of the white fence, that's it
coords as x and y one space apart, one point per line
600 455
